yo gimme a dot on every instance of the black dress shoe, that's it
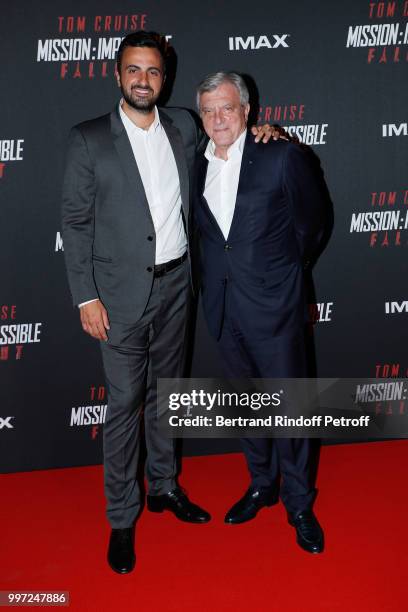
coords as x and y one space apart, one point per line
309 534
177 502
121 554
248 506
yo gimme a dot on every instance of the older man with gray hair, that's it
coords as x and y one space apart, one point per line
260 212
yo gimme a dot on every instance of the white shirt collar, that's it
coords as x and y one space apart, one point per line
130 126
234 150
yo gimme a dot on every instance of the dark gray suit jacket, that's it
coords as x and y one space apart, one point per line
108 232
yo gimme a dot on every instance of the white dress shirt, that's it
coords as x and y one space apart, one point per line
158 170
221 184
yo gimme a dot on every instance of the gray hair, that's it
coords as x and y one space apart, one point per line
214 80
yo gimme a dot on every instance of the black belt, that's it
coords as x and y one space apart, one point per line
162 269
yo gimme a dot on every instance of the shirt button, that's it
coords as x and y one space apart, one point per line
150 238
149 269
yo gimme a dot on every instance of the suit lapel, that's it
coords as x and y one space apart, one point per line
244 177
176 143
128 162
202 168
240 202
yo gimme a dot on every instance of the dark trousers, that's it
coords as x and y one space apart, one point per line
133 358
270 459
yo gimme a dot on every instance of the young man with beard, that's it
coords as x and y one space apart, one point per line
126 225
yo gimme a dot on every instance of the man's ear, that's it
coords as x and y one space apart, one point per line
247 108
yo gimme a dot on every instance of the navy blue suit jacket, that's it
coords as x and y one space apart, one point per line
256 275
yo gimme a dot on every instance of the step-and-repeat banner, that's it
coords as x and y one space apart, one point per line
333 73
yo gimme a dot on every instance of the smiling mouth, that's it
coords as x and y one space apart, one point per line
141 92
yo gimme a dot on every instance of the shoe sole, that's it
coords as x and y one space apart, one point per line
312 552
126 571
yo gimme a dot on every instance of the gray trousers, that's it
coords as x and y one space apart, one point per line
133 358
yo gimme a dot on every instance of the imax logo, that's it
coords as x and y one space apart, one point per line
6 423
257 42
396 307
392 129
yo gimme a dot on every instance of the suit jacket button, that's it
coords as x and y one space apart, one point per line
227 247
149 269
150 238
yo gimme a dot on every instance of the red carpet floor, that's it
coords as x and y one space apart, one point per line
54 536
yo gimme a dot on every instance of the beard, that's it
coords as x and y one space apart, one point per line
143 105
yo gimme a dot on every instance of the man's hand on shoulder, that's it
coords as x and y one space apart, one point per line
265 132
94 319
